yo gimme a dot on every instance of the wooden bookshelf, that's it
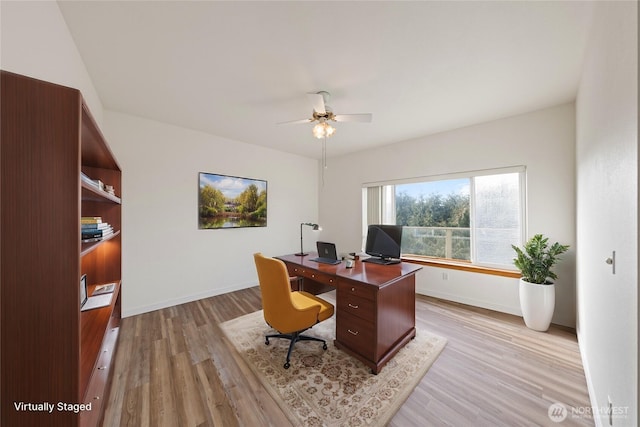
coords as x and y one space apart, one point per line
51 352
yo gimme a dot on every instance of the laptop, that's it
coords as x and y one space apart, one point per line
89 303
326 253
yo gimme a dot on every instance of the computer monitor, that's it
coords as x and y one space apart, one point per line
383 243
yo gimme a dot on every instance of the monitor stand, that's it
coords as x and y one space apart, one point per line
382 261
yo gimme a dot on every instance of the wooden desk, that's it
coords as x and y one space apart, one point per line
375 304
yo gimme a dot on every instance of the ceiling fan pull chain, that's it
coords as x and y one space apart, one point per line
324 158
324 153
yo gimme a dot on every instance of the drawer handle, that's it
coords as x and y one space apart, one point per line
102 368
353 306
351 332
353 289
313 275
96 397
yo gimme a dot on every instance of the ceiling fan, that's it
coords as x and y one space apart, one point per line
322 114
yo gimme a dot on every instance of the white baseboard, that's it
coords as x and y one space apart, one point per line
470 301
133 311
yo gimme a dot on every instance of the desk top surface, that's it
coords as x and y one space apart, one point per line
373 274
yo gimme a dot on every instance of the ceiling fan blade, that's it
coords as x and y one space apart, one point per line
317 100
296 121
365 118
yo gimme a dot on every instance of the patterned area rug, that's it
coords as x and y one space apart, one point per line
330 388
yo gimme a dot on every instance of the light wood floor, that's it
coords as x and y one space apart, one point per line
175 368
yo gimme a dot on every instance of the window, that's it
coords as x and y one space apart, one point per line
470 217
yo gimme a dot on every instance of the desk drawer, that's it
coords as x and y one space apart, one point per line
356 306
355 289
317 276
356 334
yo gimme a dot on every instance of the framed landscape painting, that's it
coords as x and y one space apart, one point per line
231 202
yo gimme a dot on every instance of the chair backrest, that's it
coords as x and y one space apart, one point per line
275 289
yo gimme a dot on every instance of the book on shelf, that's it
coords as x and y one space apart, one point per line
91 240
95 226
98 233
95 234
94 239
90 220
93 182
87 180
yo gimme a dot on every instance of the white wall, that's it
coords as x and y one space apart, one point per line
35 41
167 260
607 201
543 141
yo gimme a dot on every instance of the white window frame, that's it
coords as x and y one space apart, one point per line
384 217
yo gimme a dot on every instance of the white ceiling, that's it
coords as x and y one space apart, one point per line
235 69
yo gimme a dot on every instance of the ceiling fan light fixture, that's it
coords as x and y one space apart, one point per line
329 130
323 130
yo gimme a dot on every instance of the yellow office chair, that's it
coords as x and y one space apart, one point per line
290 313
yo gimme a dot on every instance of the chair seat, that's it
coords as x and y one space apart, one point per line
302 299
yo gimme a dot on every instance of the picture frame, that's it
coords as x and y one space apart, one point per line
227 201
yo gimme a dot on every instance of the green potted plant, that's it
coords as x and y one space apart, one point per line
537 290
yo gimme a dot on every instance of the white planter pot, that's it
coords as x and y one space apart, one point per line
537 303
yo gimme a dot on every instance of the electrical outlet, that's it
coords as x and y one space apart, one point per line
445 276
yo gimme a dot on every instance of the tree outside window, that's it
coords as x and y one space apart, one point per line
474 218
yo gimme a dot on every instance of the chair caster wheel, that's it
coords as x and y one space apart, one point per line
287 365
324 346
266 342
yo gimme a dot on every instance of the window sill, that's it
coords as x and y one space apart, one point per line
461 265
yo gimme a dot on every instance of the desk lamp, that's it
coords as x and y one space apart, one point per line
316 227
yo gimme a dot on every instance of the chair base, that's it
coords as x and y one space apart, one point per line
294 338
